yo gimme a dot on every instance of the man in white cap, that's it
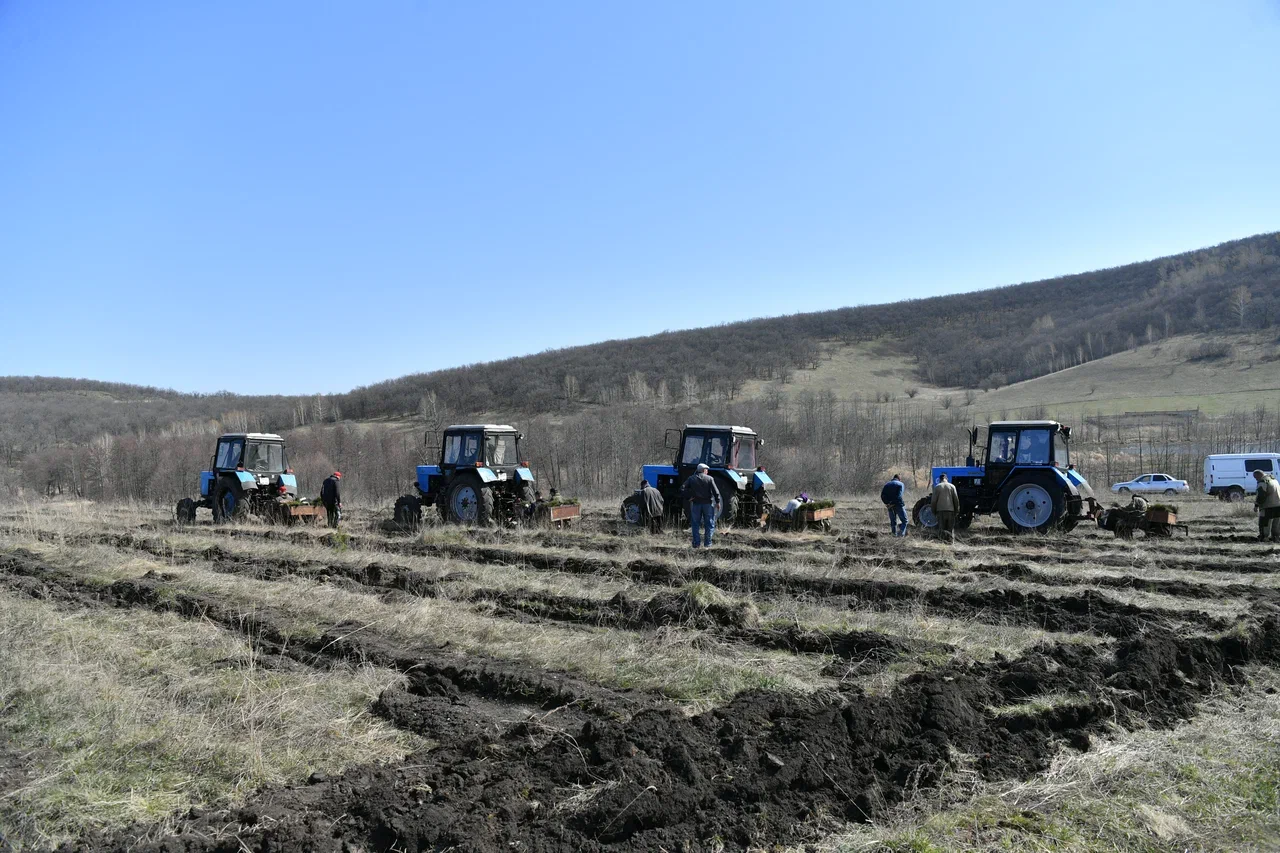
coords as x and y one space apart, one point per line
700 492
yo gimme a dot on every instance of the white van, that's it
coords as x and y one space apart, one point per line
1230 475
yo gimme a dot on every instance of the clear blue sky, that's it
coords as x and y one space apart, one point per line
365 190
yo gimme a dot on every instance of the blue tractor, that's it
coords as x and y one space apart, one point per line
1026 476
730 453
248 475
479 479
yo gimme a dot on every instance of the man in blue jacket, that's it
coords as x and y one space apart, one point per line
704 504
892 497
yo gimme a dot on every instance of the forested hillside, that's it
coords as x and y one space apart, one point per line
972 340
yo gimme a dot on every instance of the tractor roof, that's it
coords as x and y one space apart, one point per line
741 429
253 436
485 427
1024 424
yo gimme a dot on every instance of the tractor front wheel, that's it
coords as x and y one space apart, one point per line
1032 505
922 514
469 502
408 511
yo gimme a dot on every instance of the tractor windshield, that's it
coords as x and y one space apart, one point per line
263 457
744 453
501 450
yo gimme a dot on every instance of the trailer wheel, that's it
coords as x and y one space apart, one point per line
469 502
186 512
408 511
922 514
1032 504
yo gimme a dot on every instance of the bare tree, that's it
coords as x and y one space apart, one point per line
912 392
1240 299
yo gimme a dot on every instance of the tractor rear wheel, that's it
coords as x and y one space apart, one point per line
186 512
229 504
1032 504
469 502
632 511
408 511
922 514
728 502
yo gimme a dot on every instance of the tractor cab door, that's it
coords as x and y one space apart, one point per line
1002 455
230 454
462 450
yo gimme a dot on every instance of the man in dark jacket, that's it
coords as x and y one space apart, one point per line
652 506
700 492
332 498
892 496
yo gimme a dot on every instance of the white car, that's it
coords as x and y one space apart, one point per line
1148 483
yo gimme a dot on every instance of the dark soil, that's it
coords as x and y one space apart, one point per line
764 769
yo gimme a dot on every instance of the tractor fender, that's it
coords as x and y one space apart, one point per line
739 481
207 479
761 480
247 481
524 474
653 472
486 475
290 482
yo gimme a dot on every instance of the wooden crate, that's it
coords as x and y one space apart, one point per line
813 515
563 515
1161 516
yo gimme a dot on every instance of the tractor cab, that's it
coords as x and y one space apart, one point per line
1024 473
492 446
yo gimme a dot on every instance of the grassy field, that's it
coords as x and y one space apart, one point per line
1166 375
247 687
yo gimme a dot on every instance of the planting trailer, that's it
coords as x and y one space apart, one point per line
479 479
1024 476
730 454
248 475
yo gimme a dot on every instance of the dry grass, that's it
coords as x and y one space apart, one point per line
129 716
131 701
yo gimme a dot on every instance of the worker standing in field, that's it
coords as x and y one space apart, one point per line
700 492
331 497
894 500
652 505
1267 503
945 503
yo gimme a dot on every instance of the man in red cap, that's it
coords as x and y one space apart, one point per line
331 498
